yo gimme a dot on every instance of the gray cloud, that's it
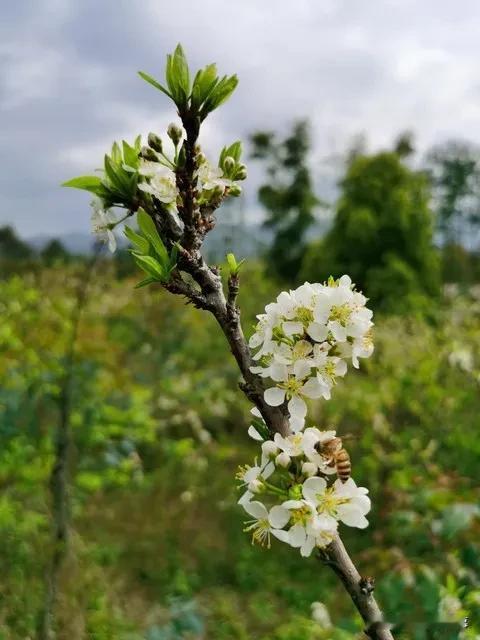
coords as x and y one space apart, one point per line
68 83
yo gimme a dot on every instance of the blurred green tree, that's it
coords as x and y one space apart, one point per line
288 196
382 233
11 247
454 168
54 252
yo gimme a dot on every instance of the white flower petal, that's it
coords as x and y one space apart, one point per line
307 547
317 331
338 332
352 516
274 396
282 535
312 388
278 516
297 407
297 535
253 433
292 328
312 487
256 509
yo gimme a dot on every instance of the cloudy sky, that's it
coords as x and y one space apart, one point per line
68 83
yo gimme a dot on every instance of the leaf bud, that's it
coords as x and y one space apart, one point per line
155 142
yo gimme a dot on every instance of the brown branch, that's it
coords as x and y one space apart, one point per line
227 315
336 557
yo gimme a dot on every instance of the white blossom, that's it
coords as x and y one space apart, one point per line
304 339
341 501
211 178
321 615
161 184
102 221
264 522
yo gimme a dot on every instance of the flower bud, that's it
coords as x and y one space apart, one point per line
283 459
175 133
309 468
295 492
201 158
217 192
228 164
241 172
234 190
148 154
155 142
269 449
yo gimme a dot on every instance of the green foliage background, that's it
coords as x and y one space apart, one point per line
158 550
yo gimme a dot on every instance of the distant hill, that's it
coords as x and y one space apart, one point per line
241 238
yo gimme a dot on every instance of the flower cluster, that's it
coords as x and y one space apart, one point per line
305 339
303 342
287 494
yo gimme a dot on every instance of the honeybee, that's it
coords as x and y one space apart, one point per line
336 456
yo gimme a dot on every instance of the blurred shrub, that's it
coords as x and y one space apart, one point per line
159 430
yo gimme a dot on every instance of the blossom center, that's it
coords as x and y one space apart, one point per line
340 313
304 315
300 516
328 502
260 531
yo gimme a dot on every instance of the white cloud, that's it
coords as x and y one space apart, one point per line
69 87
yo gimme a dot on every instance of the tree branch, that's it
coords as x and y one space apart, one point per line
336 557
227 314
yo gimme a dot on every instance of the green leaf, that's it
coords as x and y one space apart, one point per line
221 92
116 154
145 282
235 150
130 155
87 183
135 238
180 71
173 257
149 230
203 84
233 265
150 266
155 83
